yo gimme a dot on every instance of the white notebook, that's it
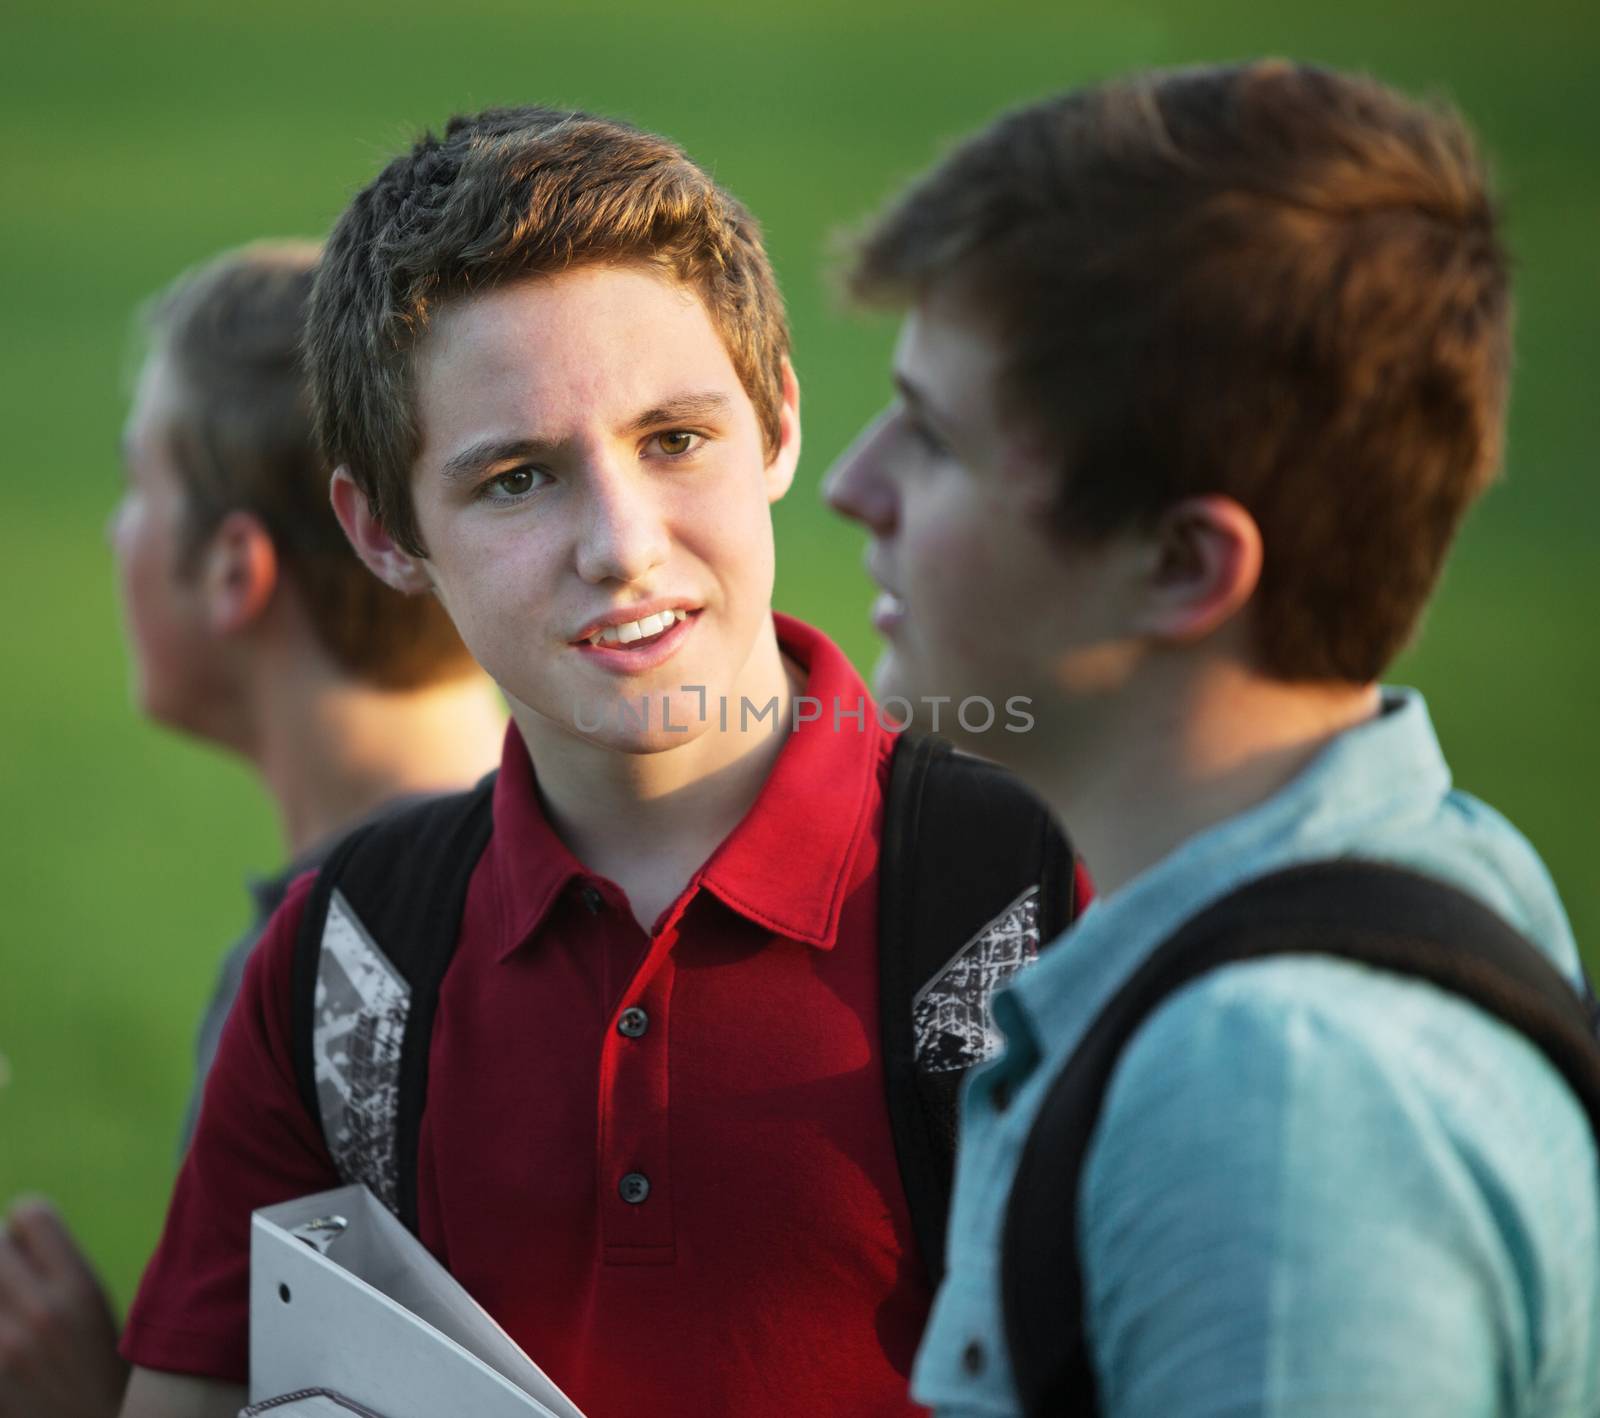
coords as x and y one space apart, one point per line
308 1405
343 1297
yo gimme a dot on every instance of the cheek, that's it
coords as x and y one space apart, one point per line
974 598
960 567
140 572
164 658
726 528
496 608
484 570
752 549
505 592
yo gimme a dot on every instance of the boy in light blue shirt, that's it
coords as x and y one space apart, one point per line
1199 372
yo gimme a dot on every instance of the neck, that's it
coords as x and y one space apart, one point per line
649 821
331 752
1187 756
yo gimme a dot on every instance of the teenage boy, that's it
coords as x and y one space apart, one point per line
252 627
550 366
1199 372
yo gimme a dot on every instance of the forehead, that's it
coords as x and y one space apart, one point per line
950 355
595 343
155 415
157 396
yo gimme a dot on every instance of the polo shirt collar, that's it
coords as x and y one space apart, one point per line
530 864
786 866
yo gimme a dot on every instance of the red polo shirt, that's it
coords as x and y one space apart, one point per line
691 1210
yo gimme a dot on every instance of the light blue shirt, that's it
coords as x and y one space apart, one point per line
1315 1188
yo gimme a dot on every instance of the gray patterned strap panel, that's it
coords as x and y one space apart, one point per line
358 1026
950 1020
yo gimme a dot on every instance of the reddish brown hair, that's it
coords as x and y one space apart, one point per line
506 195
1269 281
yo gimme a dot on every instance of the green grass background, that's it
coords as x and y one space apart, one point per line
140 138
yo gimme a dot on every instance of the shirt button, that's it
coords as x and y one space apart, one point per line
972 1358
635 1188
633 1022
593 900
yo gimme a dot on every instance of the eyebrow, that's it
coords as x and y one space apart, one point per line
686 408
486 452
919 402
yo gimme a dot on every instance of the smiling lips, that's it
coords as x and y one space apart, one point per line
633 631
638 646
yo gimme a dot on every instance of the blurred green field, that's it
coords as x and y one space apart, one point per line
142 138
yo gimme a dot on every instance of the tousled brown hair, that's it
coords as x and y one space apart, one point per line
243 441
506 195
1269 281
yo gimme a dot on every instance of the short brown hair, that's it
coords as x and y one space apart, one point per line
231 331
506 195
1269 281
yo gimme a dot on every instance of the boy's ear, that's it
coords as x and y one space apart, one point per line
780 471
1205 565
389 562
239 572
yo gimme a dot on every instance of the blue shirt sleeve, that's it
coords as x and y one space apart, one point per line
1317 1189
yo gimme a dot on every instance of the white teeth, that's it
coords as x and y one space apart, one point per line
629 631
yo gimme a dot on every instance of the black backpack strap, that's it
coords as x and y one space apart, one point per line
378 934
1591 1004
973 875
1367 912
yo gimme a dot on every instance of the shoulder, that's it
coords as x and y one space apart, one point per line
1369 1140
1294 1038
1350 1169
283 925
266 964
270 948
1469 845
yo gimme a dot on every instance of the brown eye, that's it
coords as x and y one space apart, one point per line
514 483
676 442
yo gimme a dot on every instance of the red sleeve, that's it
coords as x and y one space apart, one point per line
1083 888
255 1145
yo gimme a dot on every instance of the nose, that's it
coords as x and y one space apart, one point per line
624 533
857 486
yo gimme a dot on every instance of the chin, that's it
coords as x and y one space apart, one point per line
894 677
646 721
162 708
889 678
646 743
175 720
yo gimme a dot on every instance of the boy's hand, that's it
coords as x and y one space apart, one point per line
58 1340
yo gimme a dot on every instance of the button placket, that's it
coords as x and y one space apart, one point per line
636 1199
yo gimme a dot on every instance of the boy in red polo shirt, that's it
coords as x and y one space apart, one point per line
550 364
